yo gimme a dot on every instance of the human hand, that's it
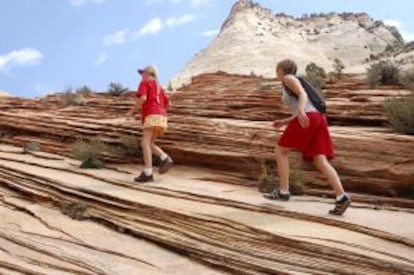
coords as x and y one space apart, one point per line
279 123
303 119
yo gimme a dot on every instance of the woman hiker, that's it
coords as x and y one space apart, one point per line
153 101
307 131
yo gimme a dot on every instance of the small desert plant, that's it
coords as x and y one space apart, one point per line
388 48
69 98
339 67
32 146
315 75
312 68
170 87
89 153
130 147
268 179
116 89
84 91
410 193
383 73
74 210
296 176
400 113
407 79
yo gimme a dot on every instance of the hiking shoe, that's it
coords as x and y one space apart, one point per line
341 206
276 195
144 178
165 165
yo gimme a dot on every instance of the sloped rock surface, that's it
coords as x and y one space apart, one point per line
231 234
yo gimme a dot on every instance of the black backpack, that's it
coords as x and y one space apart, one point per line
312 93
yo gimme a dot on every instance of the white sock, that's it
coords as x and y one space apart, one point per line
340 197
283 192
163 156
148 171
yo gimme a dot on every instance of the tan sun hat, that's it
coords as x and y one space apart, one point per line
150 70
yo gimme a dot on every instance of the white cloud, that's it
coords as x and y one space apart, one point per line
210 33
192 3
153 26
408 36
116 38
23 57
156 24
152 2
176 21
80 3
102 57
199 3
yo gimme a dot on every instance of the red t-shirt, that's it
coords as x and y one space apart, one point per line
152 106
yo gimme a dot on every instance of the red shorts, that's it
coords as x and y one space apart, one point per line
312 141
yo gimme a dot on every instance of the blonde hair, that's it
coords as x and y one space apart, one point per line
288 66
153 72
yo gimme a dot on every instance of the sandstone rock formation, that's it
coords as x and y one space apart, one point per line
252 39
58 219
205 216
4 94
224 122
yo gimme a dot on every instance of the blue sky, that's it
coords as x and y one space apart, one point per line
48 45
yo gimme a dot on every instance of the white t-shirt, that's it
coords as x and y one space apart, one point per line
292 102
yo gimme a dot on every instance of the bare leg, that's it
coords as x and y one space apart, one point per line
146 147
283 167
323 165
156 150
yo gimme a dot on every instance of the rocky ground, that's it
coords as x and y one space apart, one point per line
180 225
206 216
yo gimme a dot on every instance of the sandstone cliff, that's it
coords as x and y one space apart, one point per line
252 39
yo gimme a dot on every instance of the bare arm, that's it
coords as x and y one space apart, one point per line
294 85
138 103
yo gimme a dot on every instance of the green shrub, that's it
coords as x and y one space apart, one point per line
170 87
116 89
383 73
312 68
268 178
89 153
400 113
339 67
92 163
32 146
296 176
84 91
388 48
316 76
74 210
130 146
69 98
407 79
410 193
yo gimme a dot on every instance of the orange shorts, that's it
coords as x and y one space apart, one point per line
158 123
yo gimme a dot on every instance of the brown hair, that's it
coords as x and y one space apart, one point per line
288 66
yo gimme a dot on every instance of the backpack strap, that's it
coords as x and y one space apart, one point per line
288 90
